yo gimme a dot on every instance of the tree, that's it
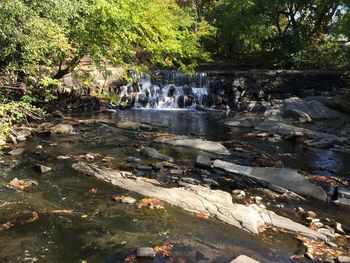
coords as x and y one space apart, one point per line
49 37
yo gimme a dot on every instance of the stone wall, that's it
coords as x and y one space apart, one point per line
279 84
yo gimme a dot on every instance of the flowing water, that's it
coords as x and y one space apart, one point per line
102 230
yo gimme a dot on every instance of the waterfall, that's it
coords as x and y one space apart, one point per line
170 90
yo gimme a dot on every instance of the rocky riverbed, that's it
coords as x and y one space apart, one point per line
179 186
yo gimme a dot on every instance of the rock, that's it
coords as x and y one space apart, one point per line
11 139
39 147
199 199
297 115
124 199
238 194
326 232
203 161
42 168
157 166
244 259
89 156
343 192
258 199
145 127
131 159
188 180
300 210
310 214
23 185
128 125
343 259
144 168
309 255
200 144
287 178
313 109
2 140
211 182
145 252
342 201
62 129
63 157
155 154
331 244
57 114
339 229
16 152
21 138
317 139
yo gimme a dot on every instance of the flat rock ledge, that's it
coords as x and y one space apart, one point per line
283 177
185 141
198 199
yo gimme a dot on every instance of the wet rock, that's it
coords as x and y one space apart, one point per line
327 232
11 139
22 185
63 157
57 114
238 194
203 161
339 229
39 147
16 152
342 201
155 154
124 199
200 144
62 129
131 159
198 199
331 244
283 177
145 252
144 168
157 166
42 168
343 192
312 108
128 125
145 127
297 115
89 156
343 259
188 180
309 255
244 259
258 199
211 182
310 214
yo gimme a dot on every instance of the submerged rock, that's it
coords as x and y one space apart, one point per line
155 154
203 161
244 259
287 178
145 252
198 199
62 129
200 144
42 168
23 185
15 152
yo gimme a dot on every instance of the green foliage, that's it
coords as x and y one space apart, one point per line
48 38
282 30
12 112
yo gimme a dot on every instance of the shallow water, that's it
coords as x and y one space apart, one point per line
102 230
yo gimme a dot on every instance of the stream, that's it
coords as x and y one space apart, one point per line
99 229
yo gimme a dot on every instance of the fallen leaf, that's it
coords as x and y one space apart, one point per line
152 203
202 215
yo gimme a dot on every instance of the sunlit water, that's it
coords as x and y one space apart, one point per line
102 230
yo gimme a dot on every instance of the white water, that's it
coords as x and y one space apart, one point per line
148 95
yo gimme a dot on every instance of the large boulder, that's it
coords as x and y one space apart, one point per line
313 109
